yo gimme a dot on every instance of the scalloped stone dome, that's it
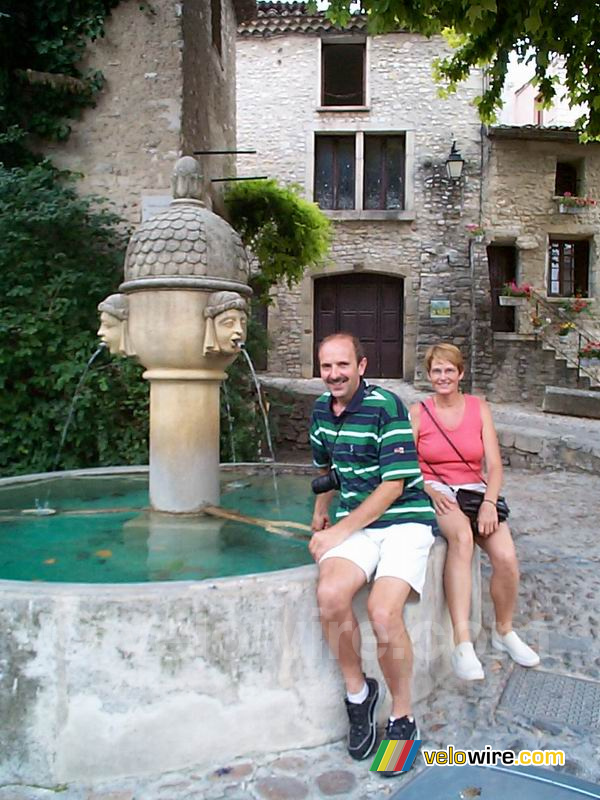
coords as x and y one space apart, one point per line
185 240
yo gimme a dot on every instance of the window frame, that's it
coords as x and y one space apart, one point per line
362 39
335 170
360 130
577 165
383 170
562 240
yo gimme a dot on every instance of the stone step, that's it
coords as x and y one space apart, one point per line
572 402
568 354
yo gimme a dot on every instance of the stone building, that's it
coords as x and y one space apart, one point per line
169 67
534 235
358 122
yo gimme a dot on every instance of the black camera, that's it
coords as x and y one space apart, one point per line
326 483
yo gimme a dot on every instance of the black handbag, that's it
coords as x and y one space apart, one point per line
469 500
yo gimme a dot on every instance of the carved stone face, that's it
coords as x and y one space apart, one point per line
111 332
230 330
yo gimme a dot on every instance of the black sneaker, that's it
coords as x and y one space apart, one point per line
405 730
363 726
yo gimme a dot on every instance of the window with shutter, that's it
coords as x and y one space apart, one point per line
343 74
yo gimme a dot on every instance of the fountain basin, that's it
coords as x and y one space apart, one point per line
106 680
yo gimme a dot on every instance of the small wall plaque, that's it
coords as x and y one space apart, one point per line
439 309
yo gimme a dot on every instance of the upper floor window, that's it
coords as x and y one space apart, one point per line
343 74
566 178
568 272
360 171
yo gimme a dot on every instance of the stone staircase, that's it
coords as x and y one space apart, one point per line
585 400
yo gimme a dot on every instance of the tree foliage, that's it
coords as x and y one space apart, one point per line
281 230
42 85
486 32
61 254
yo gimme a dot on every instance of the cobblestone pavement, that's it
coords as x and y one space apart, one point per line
555 522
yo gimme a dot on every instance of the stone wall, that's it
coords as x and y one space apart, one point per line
427 244
522 370
519 210
167 92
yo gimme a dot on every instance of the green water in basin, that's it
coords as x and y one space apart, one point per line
136 545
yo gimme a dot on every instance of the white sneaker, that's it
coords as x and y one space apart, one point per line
465 663
516 648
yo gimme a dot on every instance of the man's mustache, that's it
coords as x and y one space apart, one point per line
336 381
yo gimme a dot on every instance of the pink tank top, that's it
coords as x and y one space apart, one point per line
433 447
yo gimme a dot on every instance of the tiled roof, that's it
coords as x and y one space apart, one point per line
274 18
546 133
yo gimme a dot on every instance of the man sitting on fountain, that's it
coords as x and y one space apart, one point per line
362 441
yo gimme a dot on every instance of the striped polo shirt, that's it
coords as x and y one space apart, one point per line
370 442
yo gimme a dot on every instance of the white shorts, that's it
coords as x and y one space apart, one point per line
398 551
450 491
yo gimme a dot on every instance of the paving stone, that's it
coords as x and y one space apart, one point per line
277 788
16 792
289 763
336 782
233 773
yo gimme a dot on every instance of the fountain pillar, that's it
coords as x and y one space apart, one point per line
184 440
183 313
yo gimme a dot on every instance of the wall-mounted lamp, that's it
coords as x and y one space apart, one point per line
454 164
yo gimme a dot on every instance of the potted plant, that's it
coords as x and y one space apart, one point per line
476 232
539 323
575 306
589 355
565 328
571 204
513 294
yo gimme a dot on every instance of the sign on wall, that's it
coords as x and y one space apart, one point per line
439 309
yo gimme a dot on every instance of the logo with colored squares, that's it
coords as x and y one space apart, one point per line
395 755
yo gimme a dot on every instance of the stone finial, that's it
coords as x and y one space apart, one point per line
187 180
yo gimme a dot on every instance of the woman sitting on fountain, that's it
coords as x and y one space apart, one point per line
445 421
226 321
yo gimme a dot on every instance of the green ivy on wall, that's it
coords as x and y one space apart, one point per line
42 86
60 254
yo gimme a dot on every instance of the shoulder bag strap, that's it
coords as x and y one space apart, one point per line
452 445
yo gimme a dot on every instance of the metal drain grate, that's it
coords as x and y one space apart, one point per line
557 699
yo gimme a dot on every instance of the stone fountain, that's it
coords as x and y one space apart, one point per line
182 313
105 679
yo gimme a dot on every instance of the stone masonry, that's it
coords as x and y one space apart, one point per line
168 92
520 210
426 244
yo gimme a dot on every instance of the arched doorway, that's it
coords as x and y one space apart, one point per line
369 306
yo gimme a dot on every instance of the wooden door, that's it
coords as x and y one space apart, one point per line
502 265
369 306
